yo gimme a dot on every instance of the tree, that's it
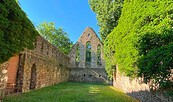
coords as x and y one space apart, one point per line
16 30
108 13
142 42
57 37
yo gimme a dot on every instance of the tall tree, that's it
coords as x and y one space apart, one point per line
142 43
56 36
108 13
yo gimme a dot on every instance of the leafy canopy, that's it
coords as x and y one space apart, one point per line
16 30
56 36
108 13
142 42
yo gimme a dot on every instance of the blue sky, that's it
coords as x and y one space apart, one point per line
73 15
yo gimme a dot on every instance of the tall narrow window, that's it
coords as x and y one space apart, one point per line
88 52
42 47
47 50
99 55
77 53
33 77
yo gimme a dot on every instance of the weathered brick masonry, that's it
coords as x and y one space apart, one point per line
138 89
3 78
34 69
46 65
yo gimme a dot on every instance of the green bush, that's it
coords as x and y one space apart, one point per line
16 30
142 40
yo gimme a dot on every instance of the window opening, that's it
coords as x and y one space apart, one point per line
88 52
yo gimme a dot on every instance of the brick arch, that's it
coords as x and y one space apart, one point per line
87 42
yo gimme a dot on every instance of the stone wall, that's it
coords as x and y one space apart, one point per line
83 71
88 75
41 67
3 78
136 88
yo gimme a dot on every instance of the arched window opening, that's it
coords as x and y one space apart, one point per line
88 52
77 53
33 77
99 55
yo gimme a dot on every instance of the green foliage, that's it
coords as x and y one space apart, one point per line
141 44
57 37
108 13
61 65
16 30
156 64
77 53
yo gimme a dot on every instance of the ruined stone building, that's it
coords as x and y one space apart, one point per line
46 65
87 61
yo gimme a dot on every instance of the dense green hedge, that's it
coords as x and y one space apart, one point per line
142 42
16 30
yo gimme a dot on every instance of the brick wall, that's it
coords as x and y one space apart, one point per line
50 66
12 69
138 89
88 75
34 69
3 78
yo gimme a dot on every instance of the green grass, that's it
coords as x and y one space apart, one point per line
73 92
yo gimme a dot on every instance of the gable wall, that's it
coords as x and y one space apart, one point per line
83 71
95 41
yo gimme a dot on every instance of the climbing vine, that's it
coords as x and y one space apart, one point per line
16 30
142 42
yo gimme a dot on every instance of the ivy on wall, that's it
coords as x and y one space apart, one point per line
16 30
142 42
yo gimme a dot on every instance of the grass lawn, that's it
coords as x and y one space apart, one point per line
73 92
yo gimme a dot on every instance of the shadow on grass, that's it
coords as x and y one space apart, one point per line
146 96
